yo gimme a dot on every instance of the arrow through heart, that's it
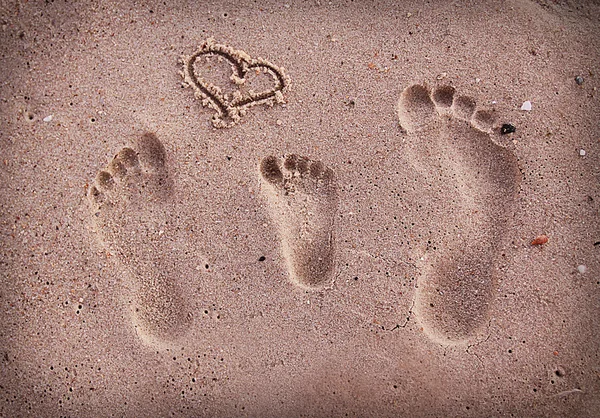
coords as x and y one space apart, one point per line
232 97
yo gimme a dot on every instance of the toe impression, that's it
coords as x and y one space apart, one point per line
464 107
444 96
269 169
151 152
415 108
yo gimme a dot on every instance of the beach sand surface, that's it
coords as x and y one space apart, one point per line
280 209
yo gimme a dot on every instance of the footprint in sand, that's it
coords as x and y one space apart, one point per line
303 199
474 182
133 211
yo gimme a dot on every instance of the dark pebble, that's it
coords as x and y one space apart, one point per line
579 80
262 258
507 128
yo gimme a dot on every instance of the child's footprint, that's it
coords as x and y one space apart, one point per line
303 199
133 211
473 183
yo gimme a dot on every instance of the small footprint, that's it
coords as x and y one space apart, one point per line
303 199
133 211
473 184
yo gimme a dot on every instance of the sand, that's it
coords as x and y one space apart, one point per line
274 209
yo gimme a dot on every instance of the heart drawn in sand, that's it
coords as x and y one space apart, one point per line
230 104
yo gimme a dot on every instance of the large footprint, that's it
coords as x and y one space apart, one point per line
473 183
303 199
133 211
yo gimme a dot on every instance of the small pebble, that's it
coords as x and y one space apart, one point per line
582 152
540 240
507 128
579 80
48 118
526 106
581 268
